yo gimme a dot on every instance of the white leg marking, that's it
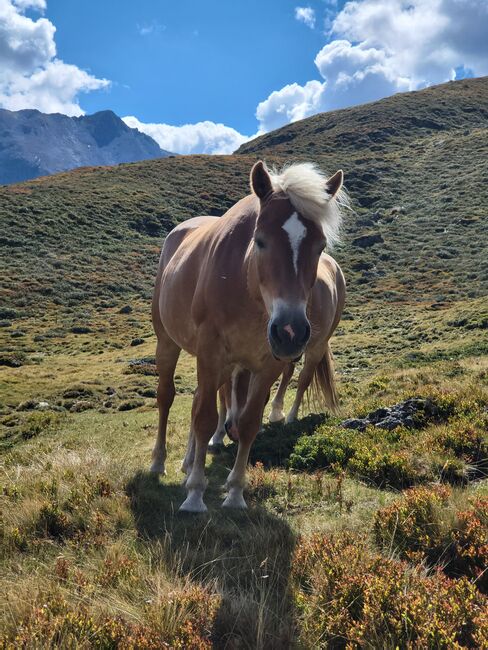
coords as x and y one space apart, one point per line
293 413
276 414
217 440
158 467
296 231
193 502
236 480
187 463
196 482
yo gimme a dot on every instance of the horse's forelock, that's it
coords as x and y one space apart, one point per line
307 189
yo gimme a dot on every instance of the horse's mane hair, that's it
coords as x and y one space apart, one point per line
306 187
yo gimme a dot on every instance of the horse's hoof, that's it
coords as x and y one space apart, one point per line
158 468
235 501
193 503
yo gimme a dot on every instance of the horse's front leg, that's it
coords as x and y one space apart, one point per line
204 420
248 426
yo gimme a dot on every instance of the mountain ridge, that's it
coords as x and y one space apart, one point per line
34 144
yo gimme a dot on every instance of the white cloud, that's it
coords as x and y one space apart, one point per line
203 137
384 46
291 103
30 74
305 15
39 5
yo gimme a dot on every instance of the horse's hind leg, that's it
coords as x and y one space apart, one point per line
217 440
167 353
304 380
204 420
277 414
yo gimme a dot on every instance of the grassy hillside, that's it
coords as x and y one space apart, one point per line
91 547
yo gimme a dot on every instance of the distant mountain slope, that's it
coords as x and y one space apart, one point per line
34 144
418 232
382 125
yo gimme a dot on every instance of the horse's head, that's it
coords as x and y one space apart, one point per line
298 213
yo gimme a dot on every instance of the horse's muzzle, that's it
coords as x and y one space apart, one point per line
288 334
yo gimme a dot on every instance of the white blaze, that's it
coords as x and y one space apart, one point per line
296 231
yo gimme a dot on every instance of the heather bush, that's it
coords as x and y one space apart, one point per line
413 526
348 597
183 621
423 525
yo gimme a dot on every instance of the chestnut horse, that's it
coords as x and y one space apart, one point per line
325 302
233 291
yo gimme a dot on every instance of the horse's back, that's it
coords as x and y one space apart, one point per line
180 232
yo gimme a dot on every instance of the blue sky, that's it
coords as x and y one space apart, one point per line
186 61
204 75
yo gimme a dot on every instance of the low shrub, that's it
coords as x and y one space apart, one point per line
470 542
321 451
350 597
412 526
184 620
423 525
384 468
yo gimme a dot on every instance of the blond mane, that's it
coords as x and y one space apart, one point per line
306 188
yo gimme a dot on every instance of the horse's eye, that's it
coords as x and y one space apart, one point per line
259 243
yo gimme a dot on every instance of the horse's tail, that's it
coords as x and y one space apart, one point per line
323 387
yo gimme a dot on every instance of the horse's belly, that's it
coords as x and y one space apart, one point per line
175 306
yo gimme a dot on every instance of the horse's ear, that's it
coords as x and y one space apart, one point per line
334 183
260 180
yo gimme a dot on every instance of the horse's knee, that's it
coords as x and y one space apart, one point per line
165 395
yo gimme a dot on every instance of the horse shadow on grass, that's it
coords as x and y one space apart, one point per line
246 554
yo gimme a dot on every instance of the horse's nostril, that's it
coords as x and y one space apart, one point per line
275 334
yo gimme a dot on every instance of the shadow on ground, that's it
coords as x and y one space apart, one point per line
246 556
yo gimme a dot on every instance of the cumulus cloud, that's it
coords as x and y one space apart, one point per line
39 5
291 103
380 47
30 74
305 15
202 137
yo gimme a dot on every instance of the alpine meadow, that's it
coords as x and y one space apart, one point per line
367 528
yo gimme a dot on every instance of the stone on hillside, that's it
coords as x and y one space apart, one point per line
411 413
365 241
136 341
126 309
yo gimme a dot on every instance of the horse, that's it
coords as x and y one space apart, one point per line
317 368
233 291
